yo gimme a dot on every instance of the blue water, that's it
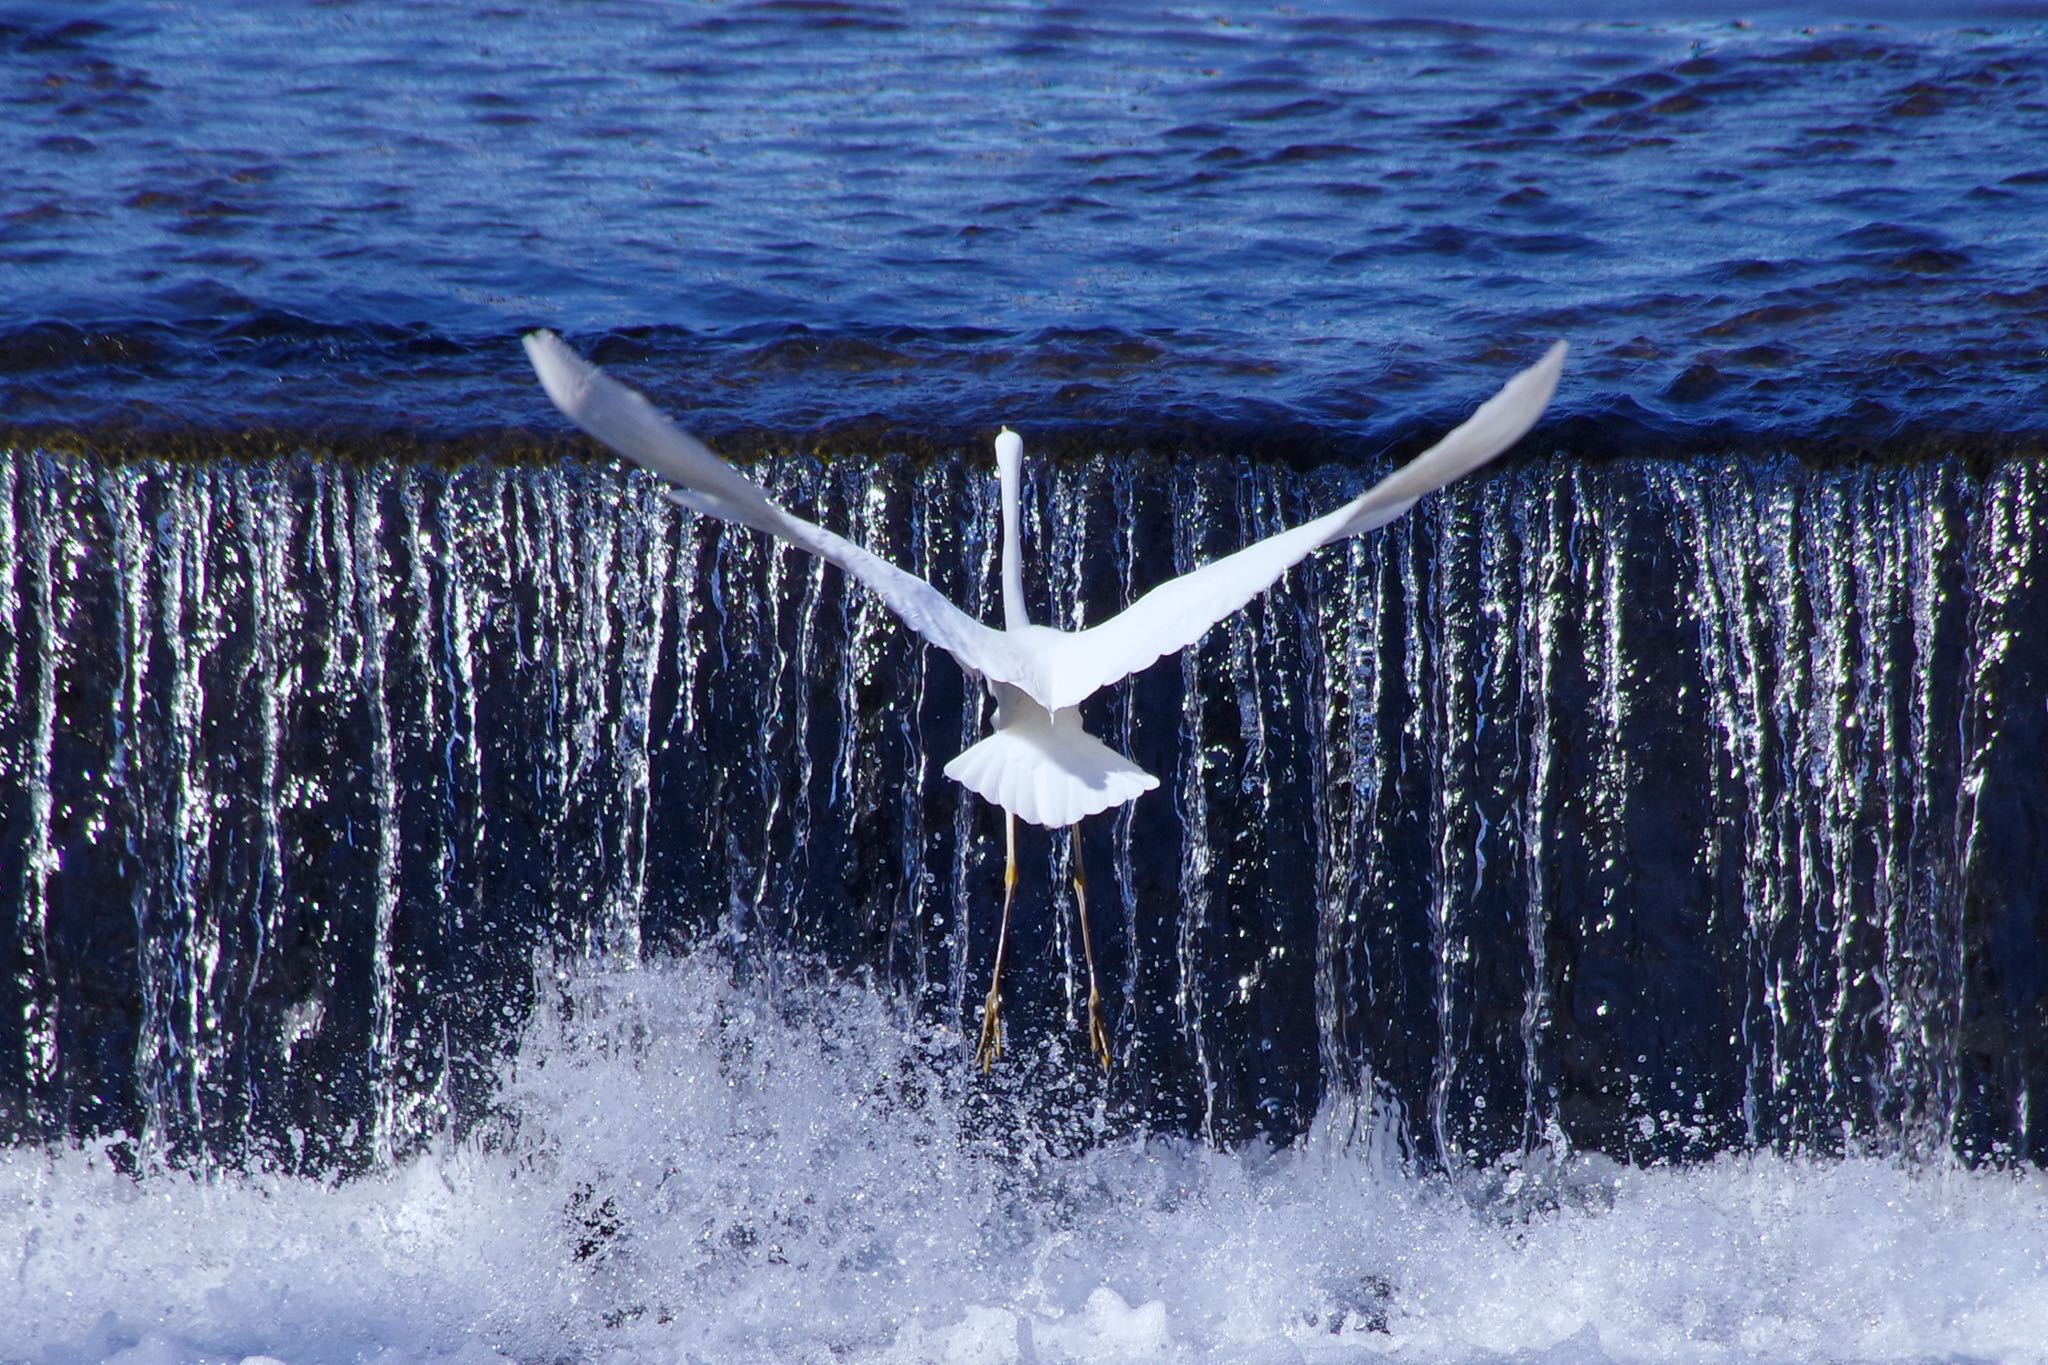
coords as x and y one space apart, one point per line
874 226
476 912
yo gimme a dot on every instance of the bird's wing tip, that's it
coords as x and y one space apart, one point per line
566 376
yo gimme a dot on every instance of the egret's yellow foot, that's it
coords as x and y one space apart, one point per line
991 1046
1098 1037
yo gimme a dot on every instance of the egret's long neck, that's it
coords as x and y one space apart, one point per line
1009 469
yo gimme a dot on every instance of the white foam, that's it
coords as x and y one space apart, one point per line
745 1185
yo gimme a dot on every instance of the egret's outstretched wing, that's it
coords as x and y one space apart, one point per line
1176 614
635 428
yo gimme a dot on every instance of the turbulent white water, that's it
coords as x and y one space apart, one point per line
685 1169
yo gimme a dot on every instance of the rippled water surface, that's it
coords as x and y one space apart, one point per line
870 224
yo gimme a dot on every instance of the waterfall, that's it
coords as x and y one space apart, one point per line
1651 807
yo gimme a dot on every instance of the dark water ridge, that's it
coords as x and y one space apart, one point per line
868 227
275 384
1657 808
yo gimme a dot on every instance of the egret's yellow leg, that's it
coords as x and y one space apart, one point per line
1098 1038
991 1011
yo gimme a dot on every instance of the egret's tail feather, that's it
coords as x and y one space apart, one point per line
1047 769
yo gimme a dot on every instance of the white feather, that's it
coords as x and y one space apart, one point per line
1044 767
1039 763
632 426
1181 611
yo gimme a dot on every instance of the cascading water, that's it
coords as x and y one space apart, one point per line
1649 808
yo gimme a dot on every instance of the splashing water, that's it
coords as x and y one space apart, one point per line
684 1168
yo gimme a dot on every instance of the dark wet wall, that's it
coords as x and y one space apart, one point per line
1659 807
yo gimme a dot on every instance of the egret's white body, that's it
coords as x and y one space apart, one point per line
1038 763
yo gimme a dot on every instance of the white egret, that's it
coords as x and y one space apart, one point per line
1038 762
